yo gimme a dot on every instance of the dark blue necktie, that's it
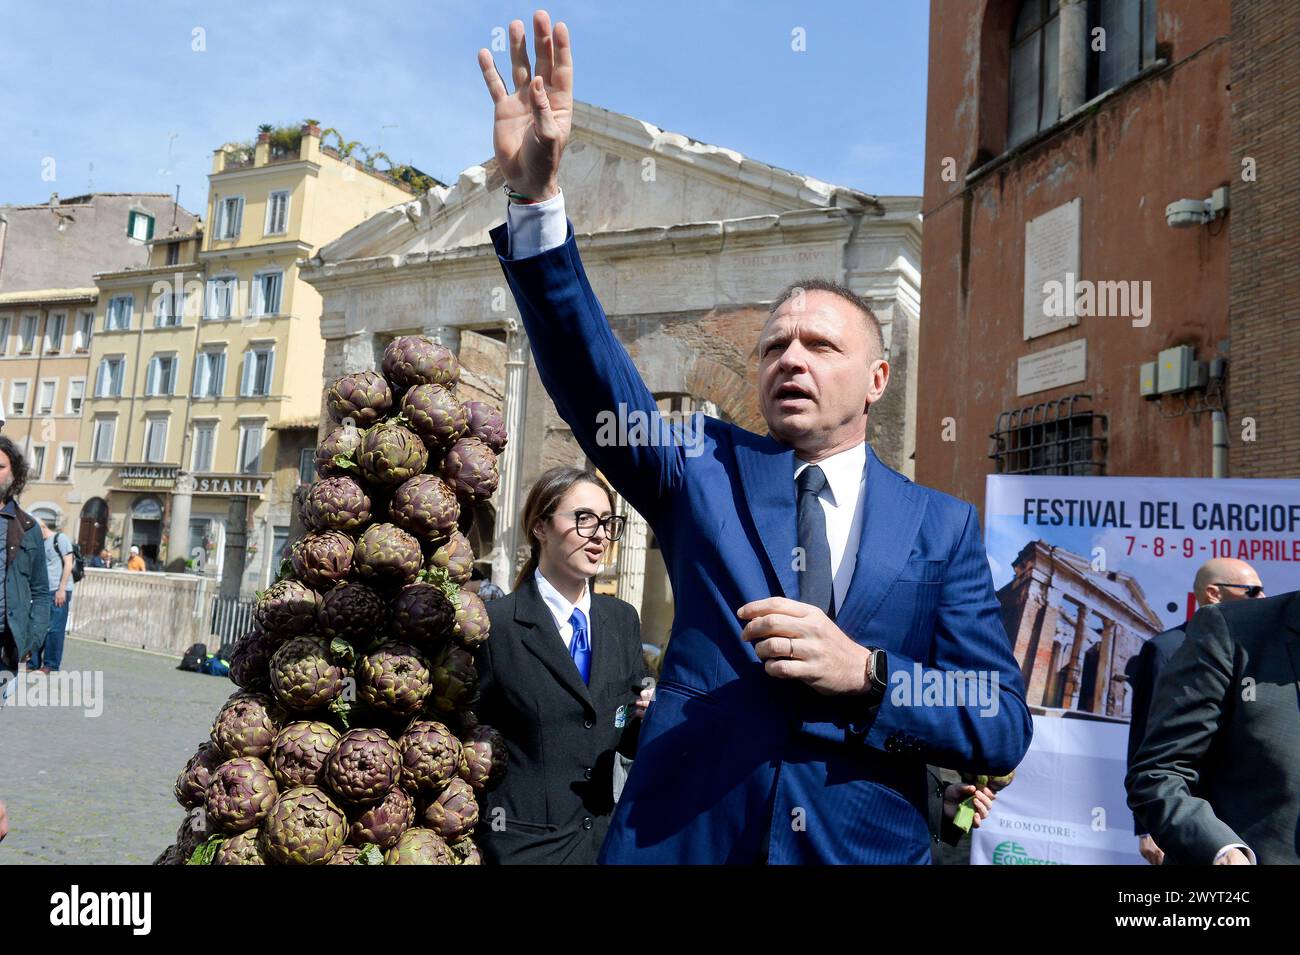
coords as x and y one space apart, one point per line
815 585
580 645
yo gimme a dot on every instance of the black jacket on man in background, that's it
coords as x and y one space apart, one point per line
1220 764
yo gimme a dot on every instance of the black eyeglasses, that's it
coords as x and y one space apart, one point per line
1252 590
586 523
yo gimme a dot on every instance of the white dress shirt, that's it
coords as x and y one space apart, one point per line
541 226
562 610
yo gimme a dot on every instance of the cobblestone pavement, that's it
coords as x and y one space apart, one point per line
99 789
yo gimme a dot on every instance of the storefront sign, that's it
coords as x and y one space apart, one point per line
145 478
230 484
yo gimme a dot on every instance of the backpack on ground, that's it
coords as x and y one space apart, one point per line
194 657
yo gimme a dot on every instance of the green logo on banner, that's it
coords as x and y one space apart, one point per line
1013 853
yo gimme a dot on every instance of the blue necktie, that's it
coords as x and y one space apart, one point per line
580 645
815 581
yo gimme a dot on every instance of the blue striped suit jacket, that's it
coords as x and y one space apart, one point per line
735 766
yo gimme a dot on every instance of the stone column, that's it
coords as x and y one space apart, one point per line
631 558
178 529
1101 688
1073 54
509 497
1076 652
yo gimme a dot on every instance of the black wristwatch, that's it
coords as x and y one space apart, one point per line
877 674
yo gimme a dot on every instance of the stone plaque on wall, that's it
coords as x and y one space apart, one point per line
1063 365
1051 251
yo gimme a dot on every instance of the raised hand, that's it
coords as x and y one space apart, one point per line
531 125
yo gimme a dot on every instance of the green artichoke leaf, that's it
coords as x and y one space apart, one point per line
342 652
343 710
285 571
370 855
206 851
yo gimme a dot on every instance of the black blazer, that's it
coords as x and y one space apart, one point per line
556 799
1219 763
1143 670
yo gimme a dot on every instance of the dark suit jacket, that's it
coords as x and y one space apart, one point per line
734 765
1143 669
557 795
1219 763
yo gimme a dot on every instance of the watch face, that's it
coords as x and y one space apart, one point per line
879 668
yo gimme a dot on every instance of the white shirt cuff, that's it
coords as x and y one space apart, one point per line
1236 845
536 227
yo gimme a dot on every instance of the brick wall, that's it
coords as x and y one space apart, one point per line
1264 314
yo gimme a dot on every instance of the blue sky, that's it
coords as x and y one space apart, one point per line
116 95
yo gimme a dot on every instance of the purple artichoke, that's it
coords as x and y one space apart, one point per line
456 557
322 559
246 725
483 758
304 676
240 794
304 827
362 398
435 415
472 623
353 612
426 506
192 783
420 847
470 468
347 855
391 454
250 660
454 812
300 751
193 832
363 767
430 757
387 555
423 615
337 452
286 608
393 677
411 360
336 504
465 850
385 821
455 681
486 424
240 849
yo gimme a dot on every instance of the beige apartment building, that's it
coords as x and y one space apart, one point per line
49 253
205 373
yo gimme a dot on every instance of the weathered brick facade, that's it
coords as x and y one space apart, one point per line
1264 314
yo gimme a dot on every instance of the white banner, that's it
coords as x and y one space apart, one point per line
1087 569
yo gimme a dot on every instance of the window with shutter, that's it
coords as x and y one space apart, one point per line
76 395
54 332
66 455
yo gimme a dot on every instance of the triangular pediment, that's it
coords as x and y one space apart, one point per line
619 174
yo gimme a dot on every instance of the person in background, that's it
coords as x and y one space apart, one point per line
1215 780
48 656
26 592
480 582
4 822
136 562
559 679
100 560
1218 580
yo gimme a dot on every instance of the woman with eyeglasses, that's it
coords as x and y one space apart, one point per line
561 678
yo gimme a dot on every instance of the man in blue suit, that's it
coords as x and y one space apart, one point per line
836 625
